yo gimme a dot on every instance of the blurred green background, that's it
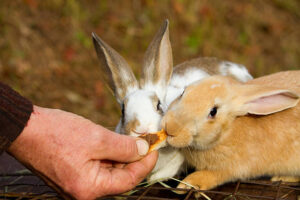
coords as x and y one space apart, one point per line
46 51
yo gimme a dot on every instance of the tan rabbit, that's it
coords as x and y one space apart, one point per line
230 130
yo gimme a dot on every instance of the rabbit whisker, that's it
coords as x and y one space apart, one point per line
190 151
166 128
137 132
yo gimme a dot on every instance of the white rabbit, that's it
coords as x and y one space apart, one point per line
143 103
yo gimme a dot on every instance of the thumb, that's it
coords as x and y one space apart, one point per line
122 148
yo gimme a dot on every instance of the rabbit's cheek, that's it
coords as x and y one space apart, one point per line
206 140
170 123
131 126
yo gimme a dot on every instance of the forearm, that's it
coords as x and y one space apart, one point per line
15 112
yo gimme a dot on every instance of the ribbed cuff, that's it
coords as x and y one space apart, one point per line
15 112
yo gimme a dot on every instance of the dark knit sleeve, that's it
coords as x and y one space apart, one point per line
15 111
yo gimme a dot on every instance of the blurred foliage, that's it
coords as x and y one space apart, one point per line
46 51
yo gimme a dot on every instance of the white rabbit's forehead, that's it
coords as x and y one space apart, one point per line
139 95
140 101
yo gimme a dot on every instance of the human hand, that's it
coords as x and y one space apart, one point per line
80 158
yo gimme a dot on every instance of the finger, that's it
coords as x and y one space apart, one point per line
119 165
121 148
121 180
106 164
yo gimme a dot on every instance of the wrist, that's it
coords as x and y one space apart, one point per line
34 125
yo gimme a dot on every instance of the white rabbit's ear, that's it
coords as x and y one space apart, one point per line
261 100
120 77
158 62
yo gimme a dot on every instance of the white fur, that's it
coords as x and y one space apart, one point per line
168 165
241 72
159 88
238 71
140 107
191 75
173 93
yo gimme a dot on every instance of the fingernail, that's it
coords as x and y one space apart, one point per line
142 146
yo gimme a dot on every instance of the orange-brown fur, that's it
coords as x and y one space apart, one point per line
240 146
131 125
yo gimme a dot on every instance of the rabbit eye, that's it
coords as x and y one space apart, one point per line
159 107
182 93
123 111
213 112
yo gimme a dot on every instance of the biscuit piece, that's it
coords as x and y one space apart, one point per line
156 140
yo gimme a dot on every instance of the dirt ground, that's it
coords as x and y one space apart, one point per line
46 51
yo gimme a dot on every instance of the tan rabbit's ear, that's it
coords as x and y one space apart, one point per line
158 62
259 100
120 77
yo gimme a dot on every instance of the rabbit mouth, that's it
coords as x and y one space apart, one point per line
139 133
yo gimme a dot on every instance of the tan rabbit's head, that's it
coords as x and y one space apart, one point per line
202 114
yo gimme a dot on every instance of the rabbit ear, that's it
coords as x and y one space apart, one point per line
260 100
120 77
158 62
